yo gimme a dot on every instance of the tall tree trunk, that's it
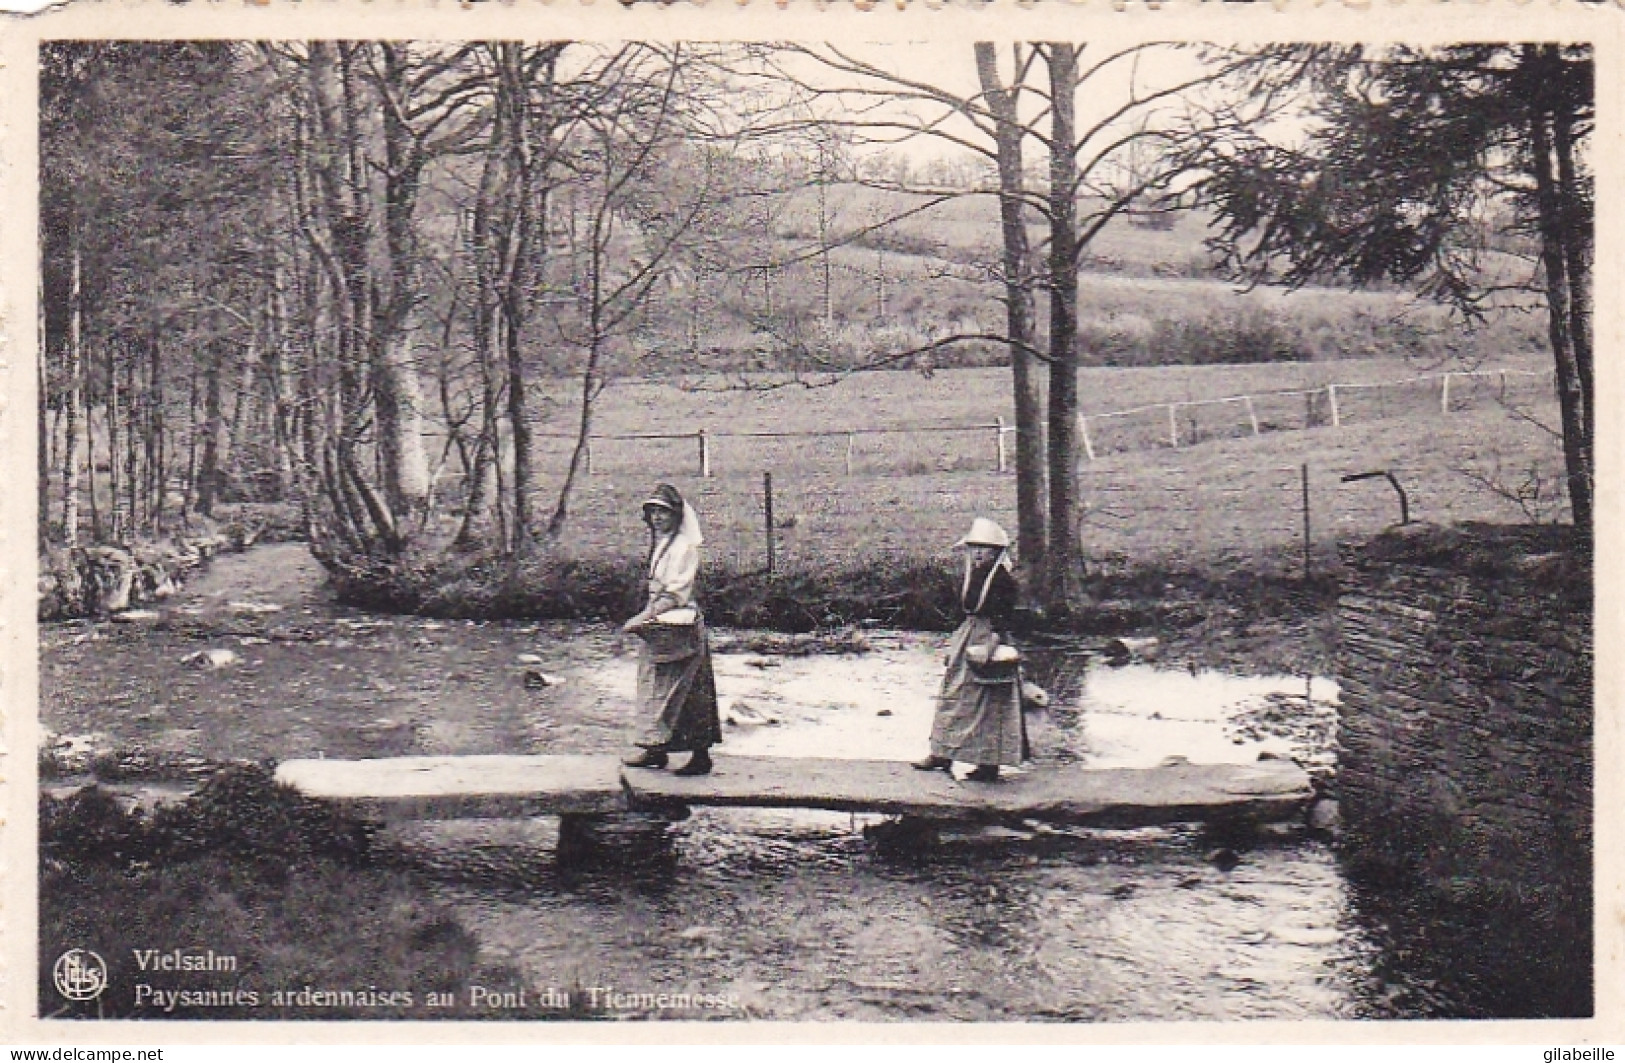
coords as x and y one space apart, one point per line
115 436
276 369
232 461
74 427
189 496
1570 391
514 278
157 461
313 438
1577 243
347 193
213 429
398 394
578 454
483 320
1064 556
42 455
97 532
526 242
519 426
1031 515
589 377
135 419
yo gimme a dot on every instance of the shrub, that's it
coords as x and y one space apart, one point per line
240 810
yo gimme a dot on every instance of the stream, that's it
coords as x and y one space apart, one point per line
788 915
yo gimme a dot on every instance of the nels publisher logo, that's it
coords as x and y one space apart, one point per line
79 974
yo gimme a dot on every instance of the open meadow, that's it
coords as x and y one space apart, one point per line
923 455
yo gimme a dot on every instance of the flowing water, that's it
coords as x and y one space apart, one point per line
787 914
796 915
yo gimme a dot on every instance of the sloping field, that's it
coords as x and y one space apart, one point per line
1146 296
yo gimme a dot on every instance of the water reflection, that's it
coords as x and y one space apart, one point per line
802 918
806 921
878 706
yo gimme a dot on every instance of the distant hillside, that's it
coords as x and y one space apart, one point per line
1149 296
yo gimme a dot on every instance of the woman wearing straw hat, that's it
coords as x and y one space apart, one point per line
978 717
677 694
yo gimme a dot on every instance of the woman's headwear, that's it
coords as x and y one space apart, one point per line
984 532
688 524
665 497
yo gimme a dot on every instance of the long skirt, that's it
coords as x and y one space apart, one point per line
977 722
677 700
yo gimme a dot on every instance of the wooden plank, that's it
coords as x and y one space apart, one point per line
1105 797
462 787
456 787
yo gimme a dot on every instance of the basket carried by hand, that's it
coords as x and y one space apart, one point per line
673 635
1001 665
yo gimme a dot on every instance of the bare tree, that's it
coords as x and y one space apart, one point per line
369 119
1032 492
647 180
878 106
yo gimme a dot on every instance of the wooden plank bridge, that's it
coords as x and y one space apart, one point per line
456 787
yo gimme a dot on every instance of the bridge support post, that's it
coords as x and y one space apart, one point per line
623 837
903 835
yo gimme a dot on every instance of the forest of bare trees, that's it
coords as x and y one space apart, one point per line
321 272
353 275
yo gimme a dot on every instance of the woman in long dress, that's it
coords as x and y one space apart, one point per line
677 693
978 719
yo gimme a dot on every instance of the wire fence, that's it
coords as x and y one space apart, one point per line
1173 511
915 450
870 494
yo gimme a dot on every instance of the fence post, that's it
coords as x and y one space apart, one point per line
999 429
1306 539
1173 426
1331 396
1444 395
767 506
705 454
851 440
1251 415
1083 430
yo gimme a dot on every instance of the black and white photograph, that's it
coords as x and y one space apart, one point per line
866 529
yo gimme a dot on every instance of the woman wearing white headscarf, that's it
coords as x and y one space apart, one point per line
677 693
978 717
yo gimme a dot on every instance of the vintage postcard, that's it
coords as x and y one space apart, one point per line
713 521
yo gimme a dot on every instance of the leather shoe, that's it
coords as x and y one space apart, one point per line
649 758
984 773
698 764
932 763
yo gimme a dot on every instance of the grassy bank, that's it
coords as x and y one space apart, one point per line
108 577
1258 617
247 870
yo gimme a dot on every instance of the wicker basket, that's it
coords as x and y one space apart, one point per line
1002 666
673 635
